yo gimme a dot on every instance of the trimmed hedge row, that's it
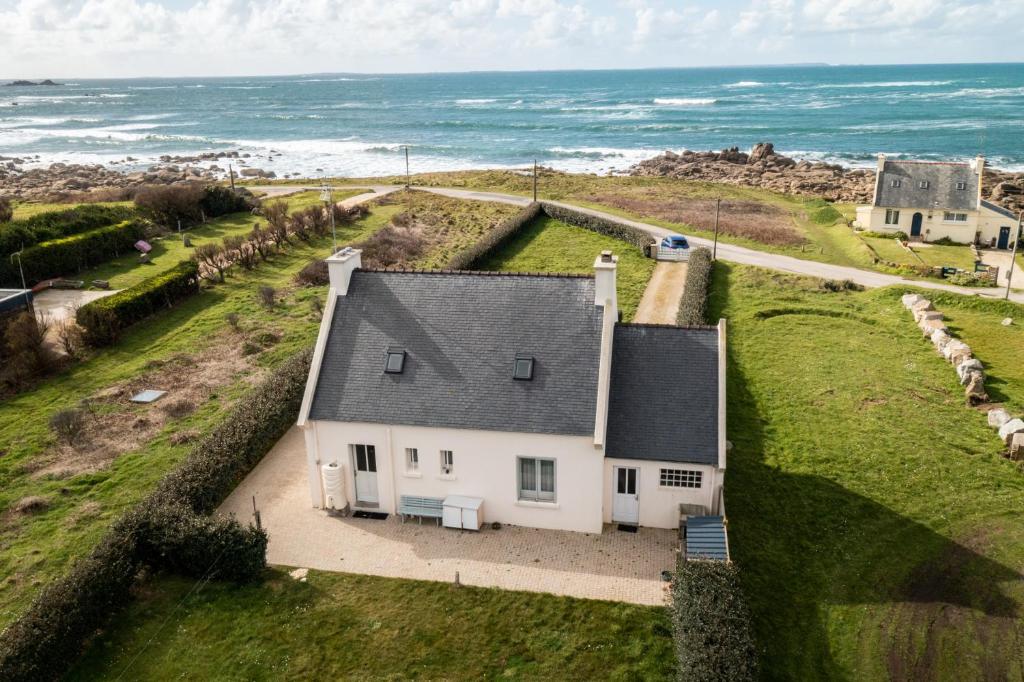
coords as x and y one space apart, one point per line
68 255
469 258
103 320
627 233
711 624
44 227
167 530
694 304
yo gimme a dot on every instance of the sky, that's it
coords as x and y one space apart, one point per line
137 38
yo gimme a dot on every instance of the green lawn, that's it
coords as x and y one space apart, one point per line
877 526
27 209
343 626
948 256
547 245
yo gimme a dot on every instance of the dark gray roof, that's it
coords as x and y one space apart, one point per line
941 192
706 538
664 394
461 333
1005 212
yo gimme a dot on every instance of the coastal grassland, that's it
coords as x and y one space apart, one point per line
548 245
876 524
27 209
345 626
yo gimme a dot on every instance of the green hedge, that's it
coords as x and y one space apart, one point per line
43 227
168 530
68 255
468 259
103 319
613 228
711 624
694 304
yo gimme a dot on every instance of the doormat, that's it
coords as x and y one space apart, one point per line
376 516
628 529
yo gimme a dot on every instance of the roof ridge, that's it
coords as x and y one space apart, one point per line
702 327
478 273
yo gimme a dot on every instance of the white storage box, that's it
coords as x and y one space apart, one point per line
459 511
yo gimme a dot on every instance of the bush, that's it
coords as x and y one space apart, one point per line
67 424
902 236
835 285
51 225
268 296
392 246
946 241
6 210
711 624
693 306
313 274
68 255
167 204
25 354
612 228
103 320
469 258
217 200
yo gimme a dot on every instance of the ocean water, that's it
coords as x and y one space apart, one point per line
597 121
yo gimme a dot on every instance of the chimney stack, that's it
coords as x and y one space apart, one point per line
340 267
604 282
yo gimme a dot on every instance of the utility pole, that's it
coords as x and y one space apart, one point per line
535 181
718 208
231 174
1013 256
407 181
179 231
326 197
21 271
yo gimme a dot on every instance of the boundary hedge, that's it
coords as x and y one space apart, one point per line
103 320
711 624
44 227
69 255
694 304
470 257
612 228
167 530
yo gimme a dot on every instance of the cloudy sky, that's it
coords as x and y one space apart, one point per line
111 38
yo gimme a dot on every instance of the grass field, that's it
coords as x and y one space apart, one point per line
547 245
342 626
877 526
27 209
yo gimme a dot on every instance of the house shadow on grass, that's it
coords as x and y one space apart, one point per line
843 587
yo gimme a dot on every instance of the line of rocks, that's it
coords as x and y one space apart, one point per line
969 370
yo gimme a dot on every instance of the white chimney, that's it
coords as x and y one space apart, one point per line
979 168
340 267
604 282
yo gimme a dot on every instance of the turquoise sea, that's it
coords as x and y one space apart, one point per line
596 121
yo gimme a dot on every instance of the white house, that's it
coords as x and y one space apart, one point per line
933 200
522 392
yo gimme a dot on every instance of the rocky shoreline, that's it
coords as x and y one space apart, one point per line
765 168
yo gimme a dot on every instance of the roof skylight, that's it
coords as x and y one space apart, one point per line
522 370
394 363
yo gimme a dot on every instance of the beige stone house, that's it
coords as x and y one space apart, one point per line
930 200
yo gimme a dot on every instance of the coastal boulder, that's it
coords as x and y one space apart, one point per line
909 300
975 391
954 346
761 151
920 308
968 367
998 417
1017 446
1007 430
940 339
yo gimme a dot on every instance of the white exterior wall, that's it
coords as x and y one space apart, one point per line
933 227
485 466
989 224
659 505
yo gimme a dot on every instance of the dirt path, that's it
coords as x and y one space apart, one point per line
660 302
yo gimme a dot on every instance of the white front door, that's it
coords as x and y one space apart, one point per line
365 469
625 496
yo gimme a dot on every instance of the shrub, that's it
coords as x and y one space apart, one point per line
612 228
276 213
217 200
822 212
214 257
51 225
261 239
68 424
946 241
6 210
836 285
313 274
103 320
392 246
267 296
166 205
711 624
469 258
69 336
25 353
693 305
902 236
68 255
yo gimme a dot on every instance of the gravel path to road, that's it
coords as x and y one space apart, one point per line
660 302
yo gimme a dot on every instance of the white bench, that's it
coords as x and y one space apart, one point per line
430 507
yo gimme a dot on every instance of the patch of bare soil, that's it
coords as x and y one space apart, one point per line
752 220
955 600
114 425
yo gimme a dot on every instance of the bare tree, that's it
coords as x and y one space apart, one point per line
276 213
260 239
211 255
69 335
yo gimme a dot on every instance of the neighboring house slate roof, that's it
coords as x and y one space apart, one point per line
1005 212
664 394
461 333
941 192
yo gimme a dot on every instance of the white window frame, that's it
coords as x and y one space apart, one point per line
954 217
895 183
447 463
535 494
412 460
961 186
923 184
892 216
681 478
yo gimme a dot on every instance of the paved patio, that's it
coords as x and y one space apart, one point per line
613 565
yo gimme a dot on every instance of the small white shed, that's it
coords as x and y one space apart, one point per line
463 512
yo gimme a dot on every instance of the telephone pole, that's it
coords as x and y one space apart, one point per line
1013 256
718 208
407 179
535 181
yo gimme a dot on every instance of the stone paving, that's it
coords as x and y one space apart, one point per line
614 565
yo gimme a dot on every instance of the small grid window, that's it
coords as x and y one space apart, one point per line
961 186
447 462
681 478
522 370
394 363
896 183
951 217
923 184
892 217
412 459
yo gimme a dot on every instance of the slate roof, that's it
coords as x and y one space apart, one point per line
461 333
941 193
664 394
1005 212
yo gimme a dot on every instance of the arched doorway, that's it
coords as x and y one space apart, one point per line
915 225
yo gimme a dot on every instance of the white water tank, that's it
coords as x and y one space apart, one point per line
334 486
